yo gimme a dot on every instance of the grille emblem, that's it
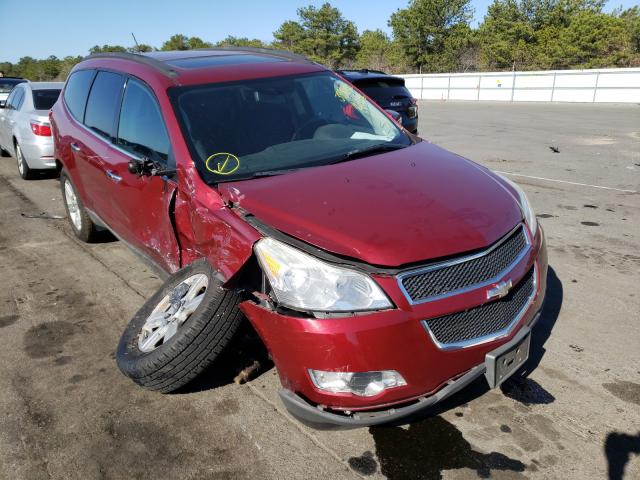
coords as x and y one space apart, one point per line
500 290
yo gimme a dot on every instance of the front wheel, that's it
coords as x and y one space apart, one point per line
25 172
180 330
81 223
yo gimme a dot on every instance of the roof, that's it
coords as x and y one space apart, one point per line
219 53
171 62
190 67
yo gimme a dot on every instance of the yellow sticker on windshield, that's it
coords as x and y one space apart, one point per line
349 95
225 163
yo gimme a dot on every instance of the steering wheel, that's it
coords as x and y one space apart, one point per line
316 122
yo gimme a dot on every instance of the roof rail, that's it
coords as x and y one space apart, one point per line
274 52
167 70
136 57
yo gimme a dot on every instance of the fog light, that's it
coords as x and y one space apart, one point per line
363 384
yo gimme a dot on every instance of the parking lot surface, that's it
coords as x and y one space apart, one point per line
67 413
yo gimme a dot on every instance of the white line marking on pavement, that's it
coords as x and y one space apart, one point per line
566 181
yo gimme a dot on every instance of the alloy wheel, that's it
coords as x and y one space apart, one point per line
172 311
19 160
72 205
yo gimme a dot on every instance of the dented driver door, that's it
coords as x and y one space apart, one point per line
143 203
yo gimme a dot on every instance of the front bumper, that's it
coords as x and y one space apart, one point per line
315 415
387 340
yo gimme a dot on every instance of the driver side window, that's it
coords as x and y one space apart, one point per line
141 129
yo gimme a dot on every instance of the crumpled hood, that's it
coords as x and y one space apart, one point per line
392 209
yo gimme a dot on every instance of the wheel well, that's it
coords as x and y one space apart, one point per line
249 278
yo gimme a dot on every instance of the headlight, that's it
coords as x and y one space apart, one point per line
363 384
303 282
525 206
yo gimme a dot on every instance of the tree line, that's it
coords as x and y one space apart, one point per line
428 36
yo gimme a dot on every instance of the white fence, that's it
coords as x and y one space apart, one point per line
603 85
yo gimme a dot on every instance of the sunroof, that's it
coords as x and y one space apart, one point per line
215 60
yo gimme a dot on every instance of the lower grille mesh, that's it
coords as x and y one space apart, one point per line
484 320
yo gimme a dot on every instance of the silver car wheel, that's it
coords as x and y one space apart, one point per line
172 311
72 205
19 160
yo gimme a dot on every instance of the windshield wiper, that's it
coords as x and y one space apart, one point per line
366 152
271 173
260 174
379 148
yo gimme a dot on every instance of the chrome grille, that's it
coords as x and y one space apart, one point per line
486 321
466 272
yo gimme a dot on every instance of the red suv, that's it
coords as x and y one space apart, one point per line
382 272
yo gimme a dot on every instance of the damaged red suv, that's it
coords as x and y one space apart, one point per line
382 272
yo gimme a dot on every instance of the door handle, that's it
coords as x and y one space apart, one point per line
113 176
75 147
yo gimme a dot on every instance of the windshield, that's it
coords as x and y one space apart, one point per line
244 129
44 99
7 84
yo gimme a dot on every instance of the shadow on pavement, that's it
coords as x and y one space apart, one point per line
425 450
618 448
542 330
245 352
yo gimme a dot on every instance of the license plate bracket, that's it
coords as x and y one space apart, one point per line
506 360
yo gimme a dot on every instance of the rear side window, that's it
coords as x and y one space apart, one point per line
10 98
103 103
76 91
44 99
386 92
18 99
379 83
141 129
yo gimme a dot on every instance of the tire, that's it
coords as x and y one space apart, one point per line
81 224
25 172
196 342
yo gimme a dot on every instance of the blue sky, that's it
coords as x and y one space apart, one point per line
73 26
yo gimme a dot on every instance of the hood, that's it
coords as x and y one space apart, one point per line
391 209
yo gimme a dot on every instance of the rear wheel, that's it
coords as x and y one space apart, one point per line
180 330
23 169
81 224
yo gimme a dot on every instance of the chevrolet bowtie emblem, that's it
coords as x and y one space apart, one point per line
500 290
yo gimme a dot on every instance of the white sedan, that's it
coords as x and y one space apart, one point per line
25 131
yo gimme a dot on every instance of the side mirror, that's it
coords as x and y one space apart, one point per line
148 168
395 115
136 167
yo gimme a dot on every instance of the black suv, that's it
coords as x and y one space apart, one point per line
387 91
